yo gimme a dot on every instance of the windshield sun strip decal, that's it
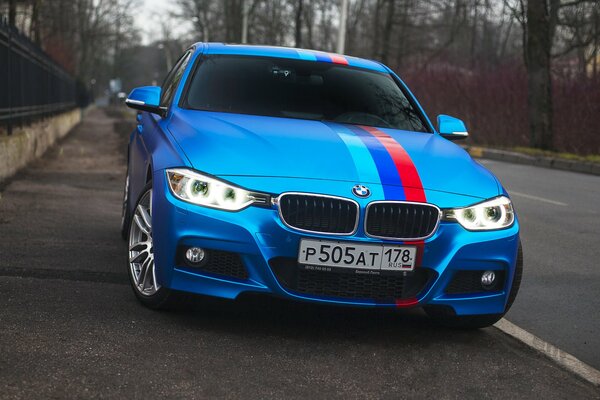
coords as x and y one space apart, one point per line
323 57
305 55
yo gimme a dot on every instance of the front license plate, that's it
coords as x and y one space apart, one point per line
357 256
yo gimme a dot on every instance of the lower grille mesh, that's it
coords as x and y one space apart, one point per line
465 282
218 262
349 285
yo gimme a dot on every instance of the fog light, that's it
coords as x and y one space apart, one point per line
195 255
488 278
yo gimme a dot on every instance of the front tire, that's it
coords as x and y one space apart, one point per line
125 210
141 265
446 316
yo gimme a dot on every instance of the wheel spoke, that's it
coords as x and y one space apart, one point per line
144 214
142 273
140 246
138 257
154 274
147 274
140 223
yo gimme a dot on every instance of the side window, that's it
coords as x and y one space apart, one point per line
172 80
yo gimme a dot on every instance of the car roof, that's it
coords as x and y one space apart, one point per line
291 53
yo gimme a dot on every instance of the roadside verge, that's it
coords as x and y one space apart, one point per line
538 161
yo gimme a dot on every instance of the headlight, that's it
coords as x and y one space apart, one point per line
190 186
492 214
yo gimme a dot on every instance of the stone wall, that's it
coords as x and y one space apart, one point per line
30 142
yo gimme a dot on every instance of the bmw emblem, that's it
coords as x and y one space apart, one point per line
361 191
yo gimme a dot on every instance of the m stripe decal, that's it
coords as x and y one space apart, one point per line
408 177
388 176
364 164
407 172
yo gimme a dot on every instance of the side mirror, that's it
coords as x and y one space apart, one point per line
146 98
451 128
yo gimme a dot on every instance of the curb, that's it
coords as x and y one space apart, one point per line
538 161
559 356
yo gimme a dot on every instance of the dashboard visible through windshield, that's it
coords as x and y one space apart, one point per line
289 88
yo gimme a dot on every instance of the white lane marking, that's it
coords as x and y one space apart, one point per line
530 197
561 357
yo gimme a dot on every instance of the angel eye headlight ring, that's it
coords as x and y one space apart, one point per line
203 190
496 213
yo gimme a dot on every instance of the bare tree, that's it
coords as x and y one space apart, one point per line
390 7
578 30
541 22
298 23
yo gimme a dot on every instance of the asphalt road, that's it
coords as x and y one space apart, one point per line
559 213
70 326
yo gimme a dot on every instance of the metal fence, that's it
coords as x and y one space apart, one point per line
32 86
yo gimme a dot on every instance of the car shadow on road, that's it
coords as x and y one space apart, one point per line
265 315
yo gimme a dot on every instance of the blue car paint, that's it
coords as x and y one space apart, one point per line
449 125
316 150
276 155
148 95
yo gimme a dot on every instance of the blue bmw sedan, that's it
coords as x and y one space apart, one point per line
316 177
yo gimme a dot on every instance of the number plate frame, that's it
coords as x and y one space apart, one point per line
375 256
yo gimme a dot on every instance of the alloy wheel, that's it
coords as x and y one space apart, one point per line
141 250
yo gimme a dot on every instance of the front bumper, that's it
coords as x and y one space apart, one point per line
259 237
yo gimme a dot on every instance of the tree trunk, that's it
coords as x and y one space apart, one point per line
341 42
35 22
474 33
539 45
309 19
595 53
245 10
387 31
233 21
402 34
375 46
12 12
298 33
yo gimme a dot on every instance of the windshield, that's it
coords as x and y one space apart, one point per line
288 88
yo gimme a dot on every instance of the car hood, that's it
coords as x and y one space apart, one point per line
230 145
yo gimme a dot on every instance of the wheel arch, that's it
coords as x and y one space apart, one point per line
149 173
